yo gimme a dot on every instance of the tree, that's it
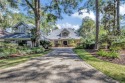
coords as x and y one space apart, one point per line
5 12
97 24
87 30
118 21
36 10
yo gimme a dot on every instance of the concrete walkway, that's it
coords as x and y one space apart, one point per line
59 66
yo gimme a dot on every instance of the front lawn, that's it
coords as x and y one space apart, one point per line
12 61
115 71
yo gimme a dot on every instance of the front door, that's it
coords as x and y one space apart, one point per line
65 43
56 44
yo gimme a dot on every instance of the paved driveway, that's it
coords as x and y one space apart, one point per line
60 66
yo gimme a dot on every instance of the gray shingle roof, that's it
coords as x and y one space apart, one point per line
56 34
16 36
23 36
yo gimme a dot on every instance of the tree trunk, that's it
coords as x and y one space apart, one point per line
118 21
37 22
97 26
114 23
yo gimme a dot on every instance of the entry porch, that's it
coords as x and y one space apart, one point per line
65 42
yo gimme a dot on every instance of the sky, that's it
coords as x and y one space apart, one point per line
75 20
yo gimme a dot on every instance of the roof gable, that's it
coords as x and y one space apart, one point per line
19 24
29 26
56 34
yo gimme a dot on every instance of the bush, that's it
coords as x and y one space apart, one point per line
118 44
37 49
103 46
102 53
113 54
8 49
110 54
86 46
3 55
115 49
29 51
45 44
79 47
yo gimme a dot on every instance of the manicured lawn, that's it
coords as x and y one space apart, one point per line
115 71
4 63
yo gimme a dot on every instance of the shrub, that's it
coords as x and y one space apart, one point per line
37 49
103 46
115 49
110 54
79 47
3 55
45 44
113 54
10 49
29 51
102 53
118 44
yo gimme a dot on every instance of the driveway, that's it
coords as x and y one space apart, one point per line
60 66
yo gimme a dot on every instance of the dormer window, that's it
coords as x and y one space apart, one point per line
64 34
21 29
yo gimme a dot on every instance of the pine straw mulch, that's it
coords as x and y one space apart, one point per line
120 60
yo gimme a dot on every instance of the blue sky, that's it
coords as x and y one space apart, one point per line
75 20
68 21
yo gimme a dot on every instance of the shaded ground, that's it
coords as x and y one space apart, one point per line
120 60
60 66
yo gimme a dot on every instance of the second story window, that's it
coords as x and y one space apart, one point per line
21 29
64 34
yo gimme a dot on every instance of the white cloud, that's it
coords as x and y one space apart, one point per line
84 14
92 15
13 10
122 9
67 25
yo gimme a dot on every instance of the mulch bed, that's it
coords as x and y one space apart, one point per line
120 60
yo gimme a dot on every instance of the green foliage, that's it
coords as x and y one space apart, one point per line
118 44
87 28
103 46
115 71
72 42
79 47
110 54
102 53
45 44
9 62
8 49
115 49
37 50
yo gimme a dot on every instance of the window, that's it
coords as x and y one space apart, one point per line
21 29
64 34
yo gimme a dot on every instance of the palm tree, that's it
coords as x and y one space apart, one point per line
97 24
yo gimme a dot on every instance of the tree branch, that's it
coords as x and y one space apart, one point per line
28 3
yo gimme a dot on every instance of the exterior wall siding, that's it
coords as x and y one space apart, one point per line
60 43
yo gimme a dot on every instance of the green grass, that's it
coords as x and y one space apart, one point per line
9 62
115 71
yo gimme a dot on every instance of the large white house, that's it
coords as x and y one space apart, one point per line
65 37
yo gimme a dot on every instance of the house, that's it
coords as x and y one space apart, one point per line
22 34
65 37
